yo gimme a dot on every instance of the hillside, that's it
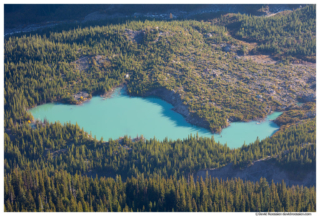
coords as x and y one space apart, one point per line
198 60
215 71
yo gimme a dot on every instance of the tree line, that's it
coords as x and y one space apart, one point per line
62 192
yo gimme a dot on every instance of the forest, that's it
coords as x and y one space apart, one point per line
60 167
67 147
287 35
63 192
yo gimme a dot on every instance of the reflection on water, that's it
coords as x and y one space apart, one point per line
151 117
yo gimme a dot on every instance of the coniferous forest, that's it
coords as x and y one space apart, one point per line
54 167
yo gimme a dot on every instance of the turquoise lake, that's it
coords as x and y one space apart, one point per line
151 117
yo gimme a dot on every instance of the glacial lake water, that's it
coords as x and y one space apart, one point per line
151 117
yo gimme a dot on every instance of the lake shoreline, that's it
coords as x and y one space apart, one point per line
170 97
108 94
175 100
150 116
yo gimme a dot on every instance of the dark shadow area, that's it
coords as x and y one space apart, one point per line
26 14
268 169
37 17
167 112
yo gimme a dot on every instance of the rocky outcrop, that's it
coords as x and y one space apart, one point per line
234 119
208 35
309 98
261 169
175 99
227 48
82 64
135 36
81 95
312 82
